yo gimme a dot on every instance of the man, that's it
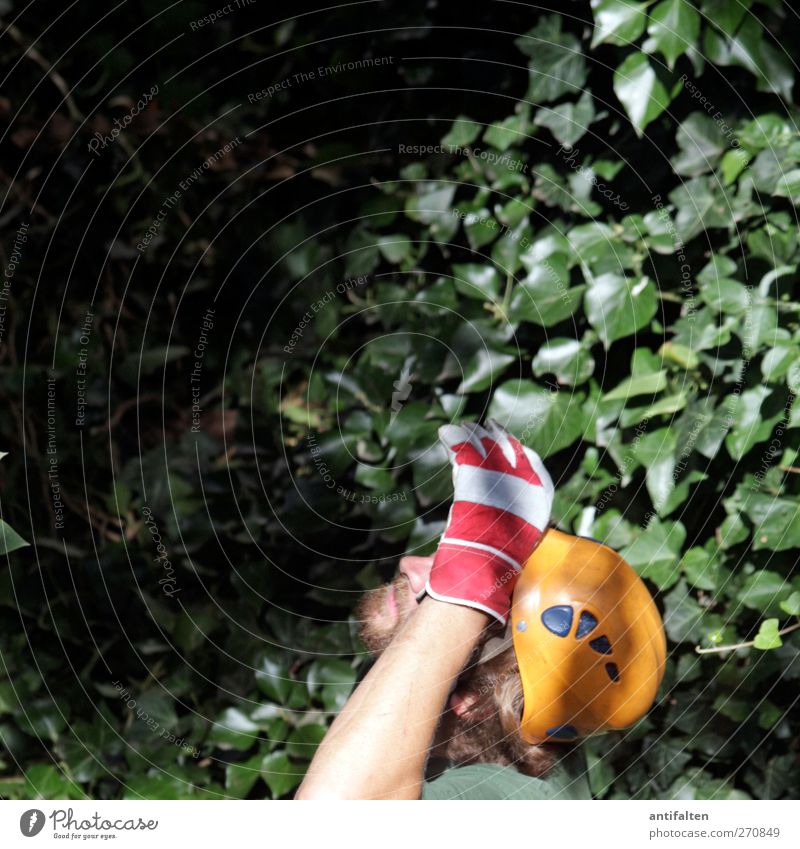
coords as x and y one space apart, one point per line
480 723
448 682
428 623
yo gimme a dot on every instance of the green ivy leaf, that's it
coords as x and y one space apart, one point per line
701 144
640 91
763 591
673 29
749 425
547 421
512 130
726 15
749 48
558 65
481 282
480 228
682 615
679 355
733 163
655 552
544 296
331 680
10 540
778 361
279 774
665 462
791 605
430 203
776 521
703 569
567 359
463 132
616 306
303 741
44 781
395 248
481 370
617 22
767 637
233 730
240 777
788 186
638 384
568 122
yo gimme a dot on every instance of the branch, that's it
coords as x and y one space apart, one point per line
746 645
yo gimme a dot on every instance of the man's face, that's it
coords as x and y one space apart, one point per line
382 611
470 730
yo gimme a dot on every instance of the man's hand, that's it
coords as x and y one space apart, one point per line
501 509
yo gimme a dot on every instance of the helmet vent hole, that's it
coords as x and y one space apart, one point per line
562 732
586 624
558 619
613 672
601 645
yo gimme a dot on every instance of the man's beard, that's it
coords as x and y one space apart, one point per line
382 612
486 731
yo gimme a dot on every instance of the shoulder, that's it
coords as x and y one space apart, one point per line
567 780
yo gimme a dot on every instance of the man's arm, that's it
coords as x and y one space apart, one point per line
376 748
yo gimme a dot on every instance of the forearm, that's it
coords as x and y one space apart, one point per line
378 744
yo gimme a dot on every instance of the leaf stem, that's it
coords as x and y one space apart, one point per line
507 293
744 645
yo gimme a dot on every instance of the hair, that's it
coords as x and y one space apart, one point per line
488 730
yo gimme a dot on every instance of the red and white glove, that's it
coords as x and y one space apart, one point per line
501 509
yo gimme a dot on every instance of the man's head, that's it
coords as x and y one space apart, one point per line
482 717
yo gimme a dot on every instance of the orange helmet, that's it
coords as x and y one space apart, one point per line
588 639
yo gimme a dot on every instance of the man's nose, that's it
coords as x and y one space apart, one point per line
417 570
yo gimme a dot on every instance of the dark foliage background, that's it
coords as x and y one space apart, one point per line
611 269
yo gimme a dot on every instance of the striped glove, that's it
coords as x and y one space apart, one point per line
501 509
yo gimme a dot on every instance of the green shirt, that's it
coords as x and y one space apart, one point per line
567 780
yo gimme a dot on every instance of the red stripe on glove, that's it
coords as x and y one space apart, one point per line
499 528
